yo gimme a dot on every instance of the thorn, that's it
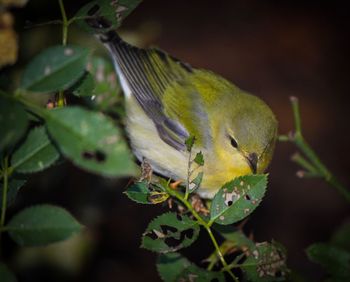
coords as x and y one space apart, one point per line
300 174
175 184
251 236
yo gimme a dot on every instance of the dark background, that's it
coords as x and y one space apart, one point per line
273 49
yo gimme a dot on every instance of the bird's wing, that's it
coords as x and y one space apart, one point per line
148 73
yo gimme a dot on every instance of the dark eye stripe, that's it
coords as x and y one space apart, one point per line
233 142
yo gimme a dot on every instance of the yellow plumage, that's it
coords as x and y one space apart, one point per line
167 101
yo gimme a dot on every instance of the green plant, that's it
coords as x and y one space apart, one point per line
34 136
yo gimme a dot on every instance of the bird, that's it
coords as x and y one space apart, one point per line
168 101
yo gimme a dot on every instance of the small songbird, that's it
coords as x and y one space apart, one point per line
167 101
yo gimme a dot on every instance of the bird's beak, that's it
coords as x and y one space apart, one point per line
253 162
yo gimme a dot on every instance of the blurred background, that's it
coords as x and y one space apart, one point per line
273 49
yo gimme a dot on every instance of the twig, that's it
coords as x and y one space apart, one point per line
311 162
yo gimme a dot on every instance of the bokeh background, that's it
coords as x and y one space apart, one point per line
273 49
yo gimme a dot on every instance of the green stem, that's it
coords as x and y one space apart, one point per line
313 163
187 193
65 25
206 227
4 192
304 163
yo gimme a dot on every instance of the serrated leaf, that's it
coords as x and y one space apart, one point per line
91 141
13 122
6 275
170 232
189 143
84 86
171 265
35 154
174 267
140 193
199 159
41 225
112 12
13 187
335 260
238 198
56 68
266 263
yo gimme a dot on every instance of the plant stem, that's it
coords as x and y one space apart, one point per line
65 25
4 194
206 226
312 164
187 193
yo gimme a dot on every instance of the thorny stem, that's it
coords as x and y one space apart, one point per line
312 163
65 25
206 226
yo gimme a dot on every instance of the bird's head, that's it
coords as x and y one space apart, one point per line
248 133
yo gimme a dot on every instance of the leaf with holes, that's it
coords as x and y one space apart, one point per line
41 225
13 187
238 198
266 263
35 154
336 261
91 141
199 159
55 68
174 267
6 275
85 86
13 122
141 193
170 232
107 92
104 15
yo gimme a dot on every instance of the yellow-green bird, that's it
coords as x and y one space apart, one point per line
167 101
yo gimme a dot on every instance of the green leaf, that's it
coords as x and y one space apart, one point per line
84 86
170 232
107 92
35 154
235 235
196 182
195 273
56 68
238 198
335 260
6 275
13 122
41 225
91 141
171 265
199 159
174 267
190 142
13 187
266 263
140 193
112 12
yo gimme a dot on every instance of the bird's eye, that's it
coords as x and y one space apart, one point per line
233 142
